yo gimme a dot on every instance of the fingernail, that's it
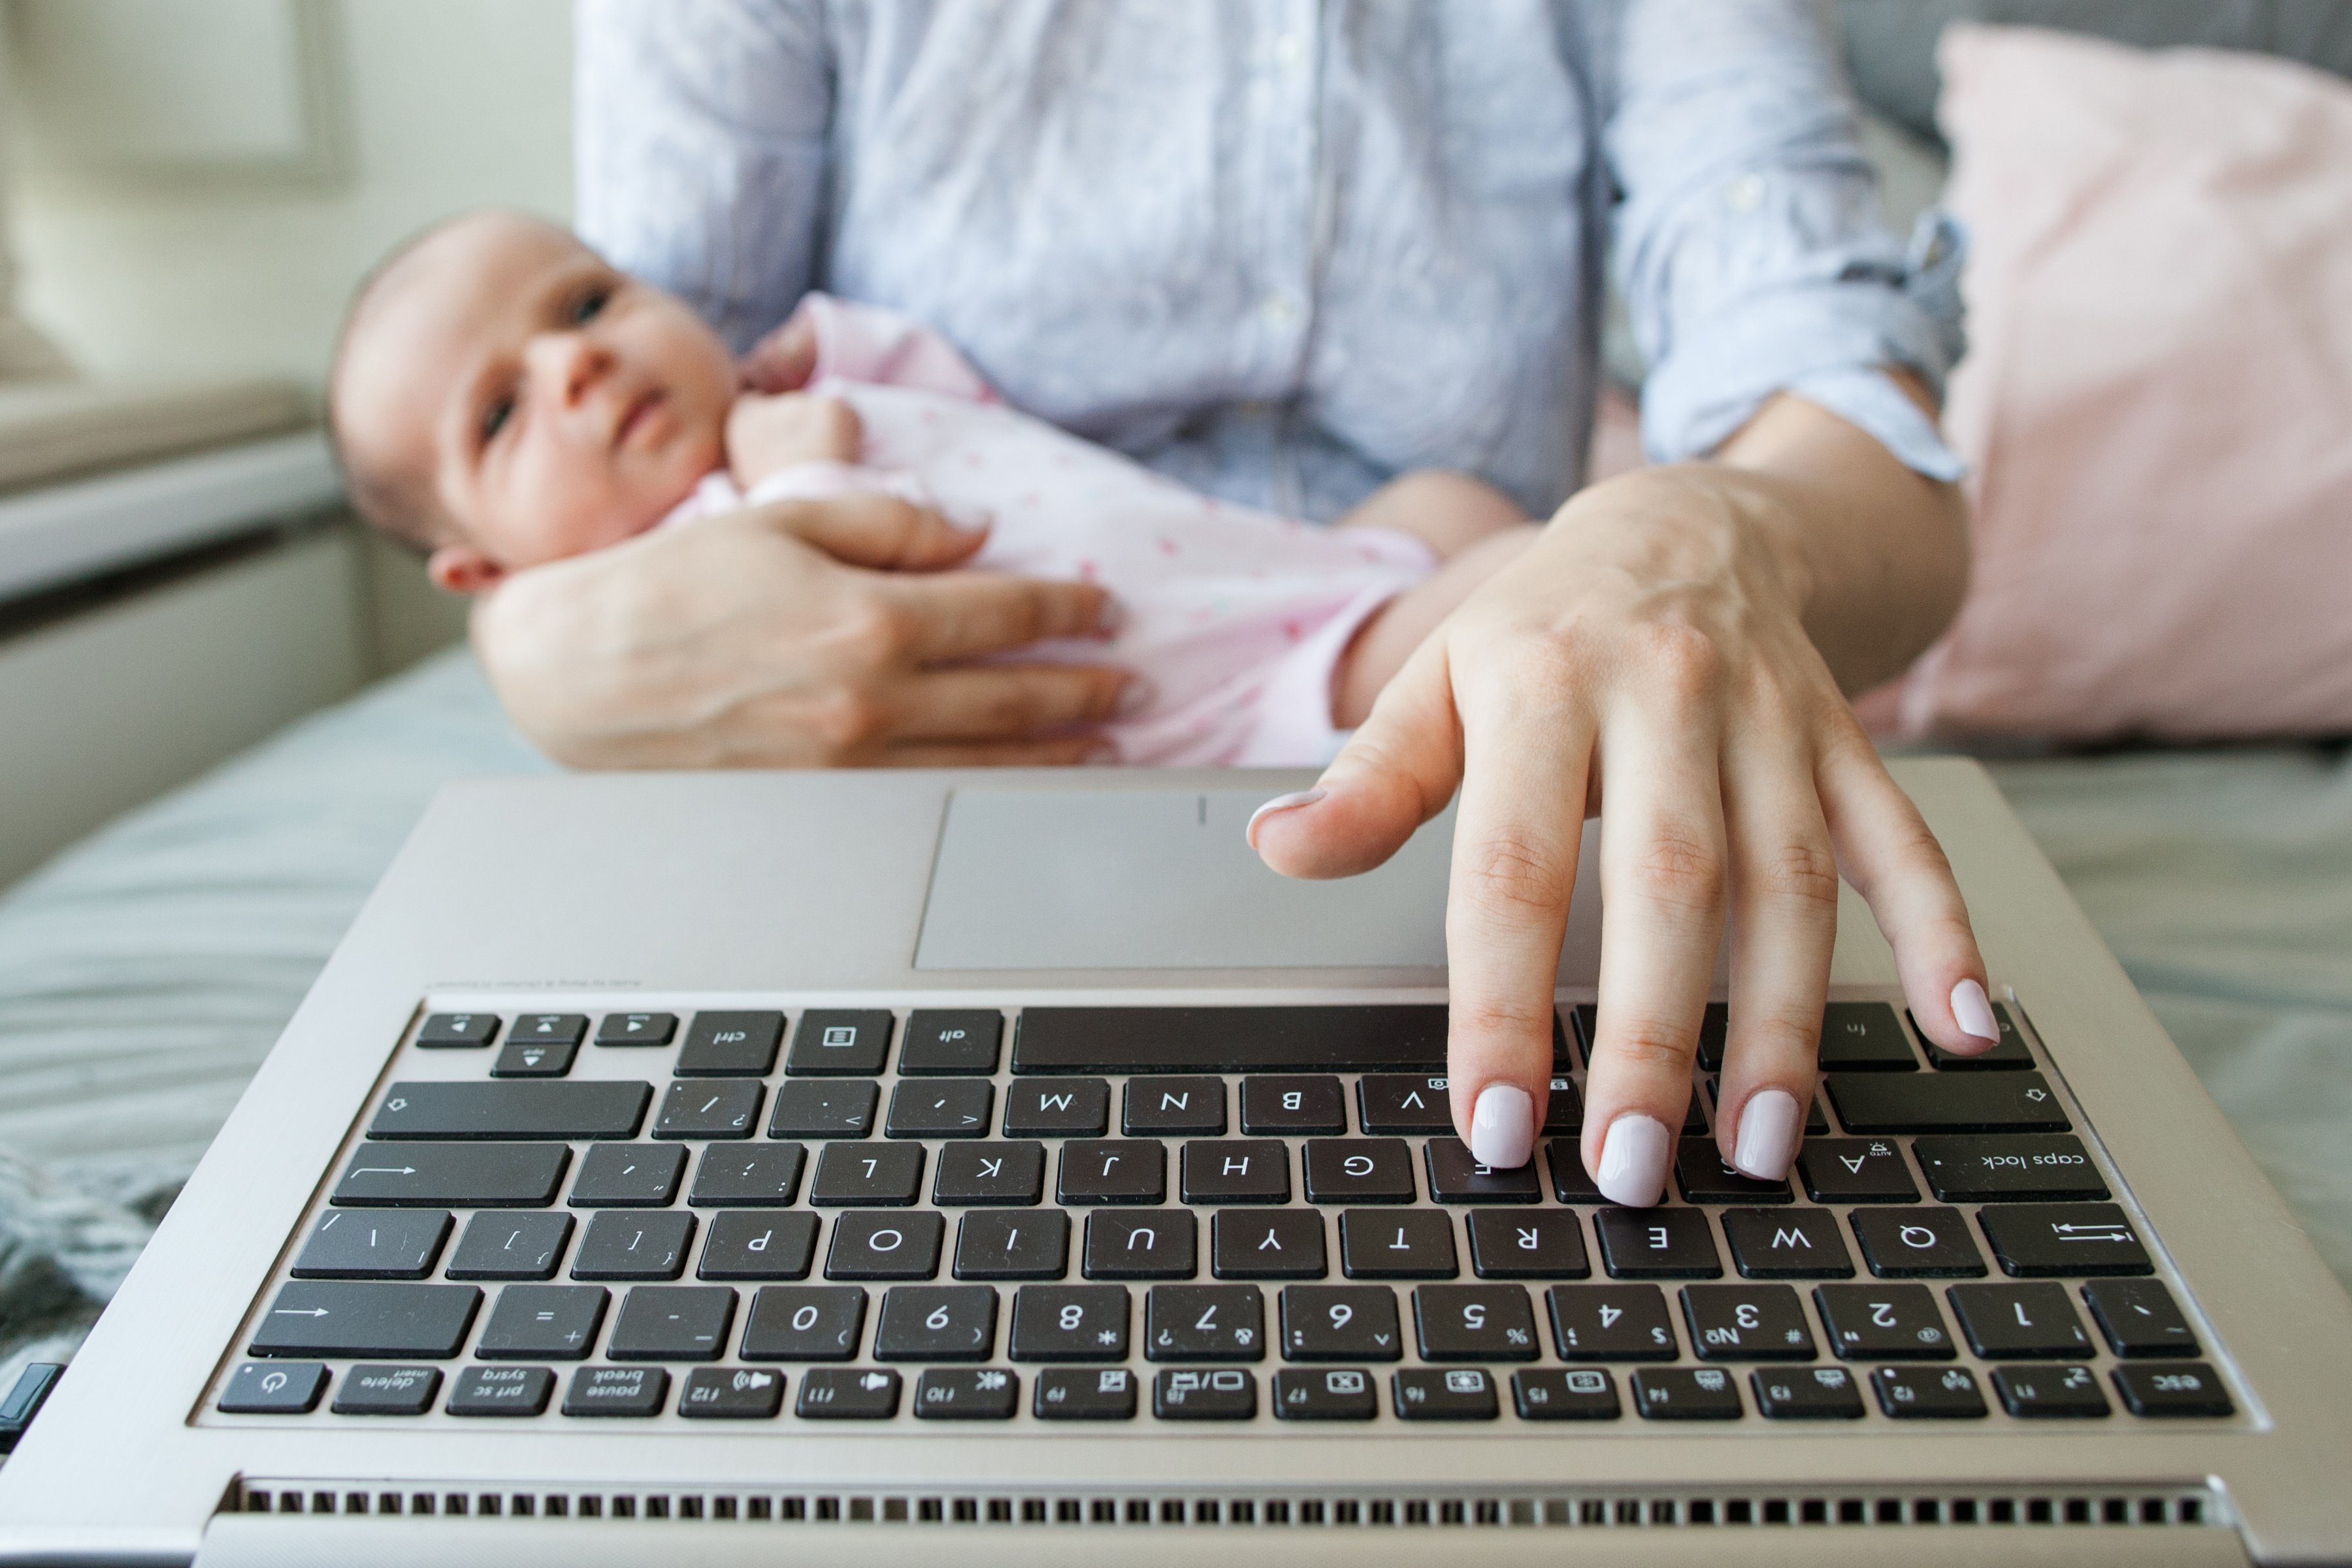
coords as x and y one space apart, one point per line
1280 803
1972 1010
1634 1161
1767 1134
1503 1127
1134 696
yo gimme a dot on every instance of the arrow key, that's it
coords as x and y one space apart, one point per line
535 1059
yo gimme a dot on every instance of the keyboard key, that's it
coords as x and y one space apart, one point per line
1786 1244
967 1393
1324 1393
1456 1178
804 1322
623 1246
1882 1322
542 1322
1920 1102
762 1177
2009 1168
807 1109
1916 1243
637 1029
564 1109
838 1043
751 1245
962 1107
387 1391
1084 1394
1141 1244
2010 1055
1218 1394
1033 1245
442 1175
1372 1038
529 1058
1928 1393
1563 1108
1527 1244
1237 1171
549 1028
936 1322
990 1173
1358 1171
1113 1170
1205 1322
1474 1323
274 1388
628 1176
886 1245
1565 1393
2172 1388
1610 1322
1806 1393
1281 1244
672 1322
1057 1107
1408 1244
962 1041
622 1391
1570 1180
1746 1323
2067 1393
1296 1106
2010 1322
1340 1322
1865 1036
1443 1394
2063 1238
731 1393
1657 1244
1714 1029
2138 1318
457 1031
501 1391
1705 1179
1158 1105
843 1394
867 1173
1403 1102
511 1247
1069 1322
730 1110
373 1243
1685 1394
347 1318
1855 1171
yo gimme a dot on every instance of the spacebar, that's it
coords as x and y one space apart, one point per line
1401 1037
591 1109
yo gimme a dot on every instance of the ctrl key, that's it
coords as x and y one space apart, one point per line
617 1391
388 1391
274 1388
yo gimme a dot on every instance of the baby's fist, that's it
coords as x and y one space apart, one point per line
767 434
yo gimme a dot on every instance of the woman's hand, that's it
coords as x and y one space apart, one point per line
1657 657
802 633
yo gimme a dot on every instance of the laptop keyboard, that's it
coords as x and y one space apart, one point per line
1147 1215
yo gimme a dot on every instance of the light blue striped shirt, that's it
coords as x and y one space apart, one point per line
1282 250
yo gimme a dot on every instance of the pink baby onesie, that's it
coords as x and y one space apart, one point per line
1236 617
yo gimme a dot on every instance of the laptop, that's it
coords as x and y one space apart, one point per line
850 1167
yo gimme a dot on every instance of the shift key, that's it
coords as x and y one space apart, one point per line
576 1108
1937 1102
454 1175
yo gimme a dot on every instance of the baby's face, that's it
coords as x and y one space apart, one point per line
551 405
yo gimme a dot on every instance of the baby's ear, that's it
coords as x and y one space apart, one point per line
462 569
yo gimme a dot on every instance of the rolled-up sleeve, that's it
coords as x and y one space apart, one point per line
701 136
1748 244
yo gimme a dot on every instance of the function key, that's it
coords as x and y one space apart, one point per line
1746 1323
2063 1238
1865 1036
868 1175
2065 1392
672 1322
1786 1243
387 1391
1324 1393
1218 1394
1161 1105
1113 1170
2009 1168
622 1246
1403 1102
1358 1171
2138 1318
1565 1393
1141 1244
1807 1393
1474 1323
1685 1394
847 1394
1882 1322
373 1243
1205 1322
1266 1244
730 1045
1610 1322
936 1322
749 1243
637 1029
1341 1322
1981 1103
1916 1244
511 1247
1527 1244
2010 1055
346 1317
274 1388
1443 1394
960 1110
1705 1179
628 1176
824 1110
964 1041
731 1393
1657 1244
1397 1244
1057 1107
839 1043
804 1322
1856 1171
542 1322
2011 1322
1455 1177
1293 1105
457 1031
761 1176
1084 1394
617 1391
549 1028
1020 1245
2172 1388
501 1391
529 1058
886 1244
1237 1171
468 1175
1928 1392
990 1173
967 1393
709 1110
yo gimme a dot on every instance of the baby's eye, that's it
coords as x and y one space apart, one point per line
495 416
589 305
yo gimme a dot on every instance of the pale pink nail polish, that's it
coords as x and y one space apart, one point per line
1634 1161
1134 696
1767 1134
1503 1127
1972 1010
1280 803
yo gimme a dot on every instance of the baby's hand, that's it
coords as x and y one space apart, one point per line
766 434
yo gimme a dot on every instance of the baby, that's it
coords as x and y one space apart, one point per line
502 398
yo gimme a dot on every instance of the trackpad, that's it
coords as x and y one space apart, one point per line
1112 879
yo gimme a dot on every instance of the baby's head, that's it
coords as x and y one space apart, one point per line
501 398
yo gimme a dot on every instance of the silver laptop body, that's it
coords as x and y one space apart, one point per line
854 1166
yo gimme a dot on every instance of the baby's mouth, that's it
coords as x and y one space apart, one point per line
638 411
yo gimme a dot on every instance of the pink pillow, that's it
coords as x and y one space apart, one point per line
2158 397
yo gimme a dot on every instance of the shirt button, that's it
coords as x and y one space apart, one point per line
1281 310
